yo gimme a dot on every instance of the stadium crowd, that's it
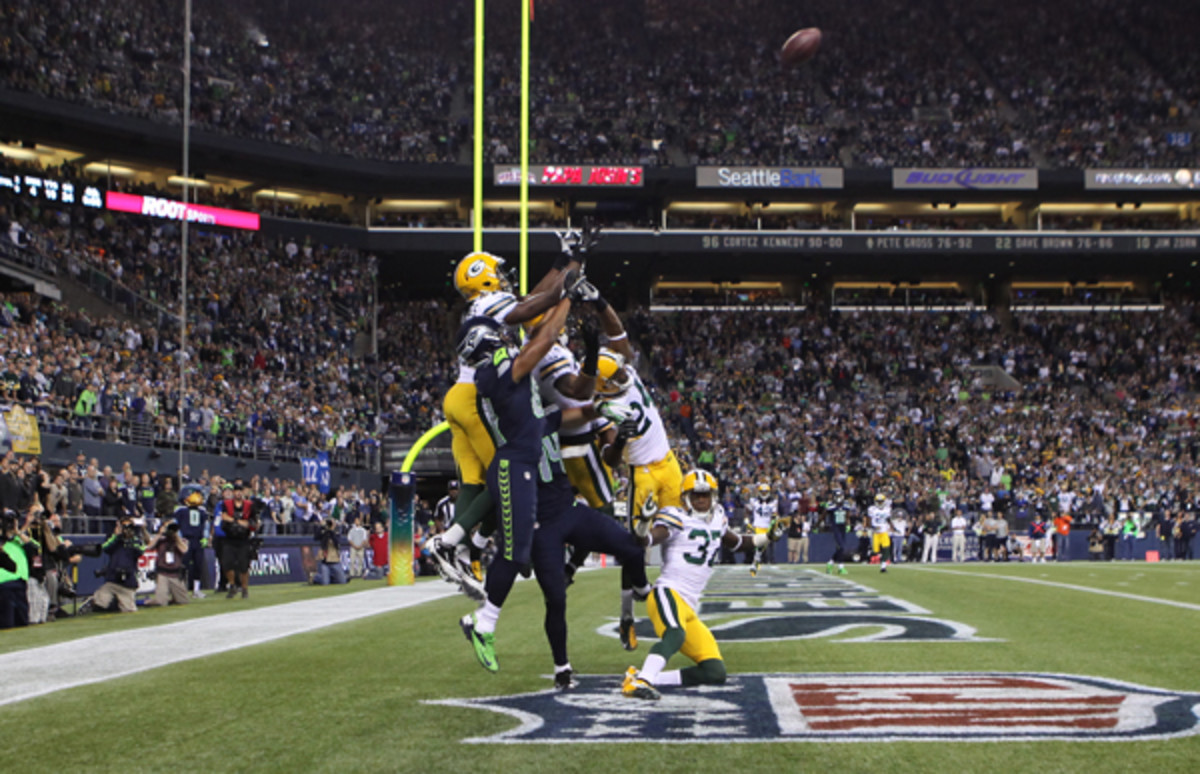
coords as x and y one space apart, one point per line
632 81
277 334
1104 417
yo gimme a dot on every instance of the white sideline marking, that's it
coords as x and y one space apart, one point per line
39 671
1121 594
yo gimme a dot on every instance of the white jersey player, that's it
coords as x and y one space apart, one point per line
764 511
561 382
880 516
691 537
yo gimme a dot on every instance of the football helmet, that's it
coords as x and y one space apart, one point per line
611 377
880 498
478 338
479 273
699 482
764 490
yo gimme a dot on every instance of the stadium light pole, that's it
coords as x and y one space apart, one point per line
183 251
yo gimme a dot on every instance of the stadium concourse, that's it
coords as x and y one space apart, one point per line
1008 84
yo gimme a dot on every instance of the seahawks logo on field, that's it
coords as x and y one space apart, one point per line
780 604
838 707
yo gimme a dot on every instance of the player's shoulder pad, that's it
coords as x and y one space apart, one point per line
670 516
556 364
496 305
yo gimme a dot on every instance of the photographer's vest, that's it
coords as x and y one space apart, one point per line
17 552
168 559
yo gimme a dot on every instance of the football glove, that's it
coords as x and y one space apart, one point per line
585 292
641 524
777 529
650 506
572 280
569 241
615 412
589 237
627 429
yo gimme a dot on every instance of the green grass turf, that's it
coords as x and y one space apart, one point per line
348 698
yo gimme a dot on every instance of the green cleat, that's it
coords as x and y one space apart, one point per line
484 643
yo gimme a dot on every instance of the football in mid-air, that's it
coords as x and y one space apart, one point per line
801 46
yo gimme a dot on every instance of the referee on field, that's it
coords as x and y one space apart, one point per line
443 512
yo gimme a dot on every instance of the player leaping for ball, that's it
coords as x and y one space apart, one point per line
691 537
480 279
640 441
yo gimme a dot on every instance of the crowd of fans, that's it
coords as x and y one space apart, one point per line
278 338
814 403
651 82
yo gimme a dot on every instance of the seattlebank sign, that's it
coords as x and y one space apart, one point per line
770 177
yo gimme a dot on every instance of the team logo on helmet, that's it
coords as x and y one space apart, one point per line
479 273
477 339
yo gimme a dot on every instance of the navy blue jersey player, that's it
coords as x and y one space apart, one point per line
511 409
530 486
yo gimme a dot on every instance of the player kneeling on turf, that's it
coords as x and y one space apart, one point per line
691 538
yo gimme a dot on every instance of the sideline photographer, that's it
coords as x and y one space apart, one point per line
57 556
329 556
169 549
17 550
124 547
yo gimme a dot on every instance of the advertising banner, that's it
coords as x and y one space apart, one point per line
573 175
156 207
23 434
770 177
969 179
1140 179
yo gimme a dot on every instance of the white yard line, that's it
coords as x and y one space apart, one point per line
1085 589
43 670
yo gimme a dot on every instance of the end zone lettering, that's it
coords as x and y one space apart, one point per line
850 708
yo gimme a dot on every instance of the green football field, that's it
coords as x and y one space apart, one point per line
1079 642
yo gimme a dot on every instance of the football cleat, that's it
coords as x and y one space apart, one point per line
565 680
445 559
473 587
569 572
883 567
754 570
638 688
628 634
483 643
843 571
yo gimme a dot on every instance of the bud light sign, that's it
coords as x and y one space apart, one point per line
965 179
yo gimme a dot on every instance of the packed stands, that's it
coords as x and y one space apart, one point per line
648 82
